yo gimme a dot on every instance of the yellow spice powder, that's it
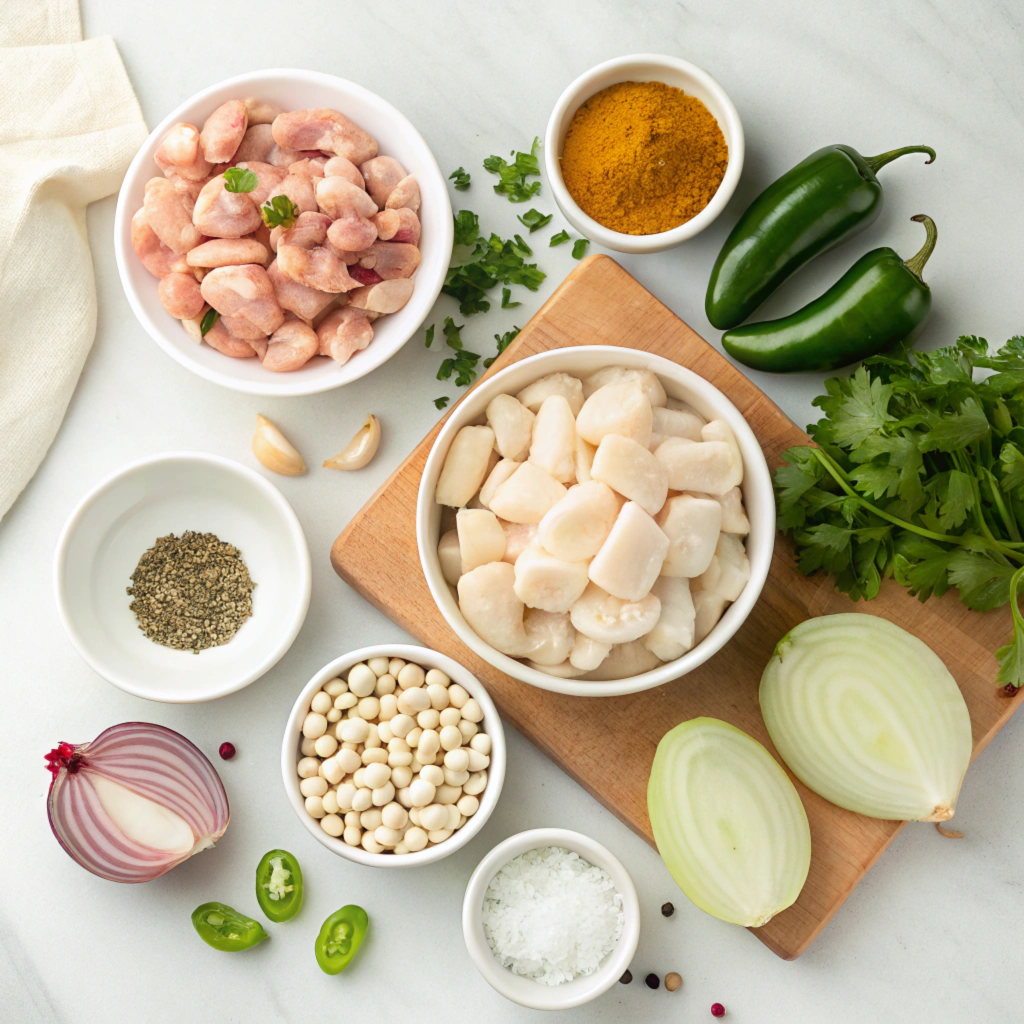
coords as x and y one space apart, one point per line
643 157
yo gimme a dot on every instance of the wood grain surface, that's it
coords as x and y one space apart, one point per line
607 744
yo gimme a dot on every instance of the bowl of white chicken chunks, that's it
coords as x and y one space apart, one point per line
596 520
283 232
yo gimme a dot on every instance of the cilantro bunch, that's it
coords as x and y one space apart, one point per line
919 476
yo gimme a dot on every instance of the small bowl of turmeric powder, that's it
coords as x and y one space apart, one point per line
643 152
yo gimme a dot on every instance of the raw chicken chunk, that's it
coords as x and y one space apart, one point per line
324 129
168 213
179 153
224 214
380 176
244 292
223 132
343 333
226 252
291 346
397 226
219 338
305 257
406 195
389 260
300 299
156 257
588 655
383 297
180 296
350 208
258 144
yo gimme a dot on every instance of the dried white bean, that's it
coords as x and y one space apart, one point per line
457 695
477 761
410 702
385 685
415 838
476 784
321 703
404 796
352 819
455 778
435 677
388 707
394 816
307 767
384 795
428 745
471 711
481 742
453 816
433 817
335 687
400 759
363 799
316 786
353 836
402 724
359 778
401 776
348 759
450 716
428 719
315 806
377 775
375 755
315 725
369 708
395 665
384 733
369 844
468 805
468 730
456 759
432 774
378 666
330 799
440 836
325 745
361 680
332 770
387 837
447 794
451 738
346 793
306 747
354 730
410 676
332 825
371 819
334 715
345 700
421 792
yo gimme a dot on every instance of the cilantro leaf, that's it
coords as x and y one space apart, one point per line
463 363
429 337
534 219
461 178
562 236
209 319
503 340
442 402
240 179
512 176
579 248
279 212
506 294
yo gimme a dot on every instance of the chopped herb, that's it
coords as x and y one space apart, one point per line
513 175
918 476
429 340
442 402
506 294
562 236
461 179
279 212
240 179
478 264
503 340
579 248
463 363
534 219
209 319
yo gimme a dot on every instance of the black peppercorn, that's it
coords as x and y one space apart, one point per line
626 978
667 910
652 981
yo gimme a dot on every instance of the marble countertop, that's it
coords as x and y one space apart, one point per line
933 931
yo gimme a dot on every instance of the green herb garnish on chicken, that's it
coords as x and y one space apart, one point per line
279 212
240 179
918 476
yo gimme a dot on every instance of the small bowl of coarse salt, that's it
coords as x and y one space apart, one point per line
551 919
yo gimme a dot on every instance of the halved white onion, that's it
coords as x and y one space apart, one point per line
868 716
728 822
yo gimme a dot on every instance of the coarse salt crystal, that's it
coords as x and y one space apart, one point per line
551 916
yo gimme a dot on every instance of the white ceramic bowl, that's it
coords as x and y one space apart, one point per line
293 89
491 725
679 383
643 67
526 991
122 516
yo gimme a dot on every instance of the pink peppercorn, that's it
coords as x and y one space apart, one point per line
227 751
717 1010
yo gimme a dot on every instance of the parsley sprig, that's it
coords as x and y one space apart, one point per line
512 176
919 476
460 176
478 264
279 212
240 179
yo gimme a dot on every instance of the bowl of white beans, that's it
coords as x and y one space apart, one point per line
595 520
393 756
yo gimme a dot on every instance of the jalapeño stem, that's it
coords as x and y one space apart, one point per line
916 263
876 162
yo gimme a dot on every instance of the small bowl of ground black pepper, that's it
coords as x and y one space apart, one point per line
643 152
182 577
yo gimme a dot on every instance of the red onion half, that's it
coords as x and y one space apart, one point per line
135 802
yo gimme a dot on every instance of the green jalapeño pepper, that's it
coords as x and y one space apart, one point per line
226 929
821 202
279 885
879 301
340 938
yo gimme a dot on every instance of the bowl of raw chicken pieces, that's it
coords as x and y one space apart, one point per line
595 520
284 232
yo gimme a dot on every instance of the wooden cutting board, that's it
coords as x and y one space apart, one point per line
599 303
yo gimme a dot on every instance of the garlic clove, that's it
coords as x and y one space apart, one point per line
361 449
274 450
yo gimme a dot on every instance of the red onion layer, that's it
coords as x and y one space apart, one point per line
150 761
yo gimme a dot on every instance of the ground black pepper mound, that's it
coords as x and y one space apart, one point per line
191 592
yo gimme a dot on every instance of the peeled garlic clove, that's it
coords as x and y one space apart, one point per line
512 424
546 582
570 388
692 526
672 636
587 655
629 468
554 439
527 495
624 662
550 634
621 409
579 524
630 559
647 379
361 449
274 450
497 476
465 466
610 620
449 554
481 538
708 466
488 602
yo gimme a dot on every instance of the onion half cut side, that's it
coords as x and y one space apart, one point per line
135 802
868 716
728 822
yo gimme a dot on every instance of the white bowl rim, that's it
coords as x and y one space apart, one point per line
283 508
495 770
668 671
476 943
661 240
283 384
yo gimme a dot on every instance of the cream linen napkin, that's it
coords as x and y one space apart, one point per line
69 126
